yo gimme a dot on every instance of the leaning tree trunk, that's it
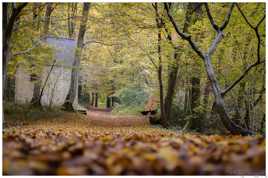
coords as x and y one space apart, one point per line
73 92
219 101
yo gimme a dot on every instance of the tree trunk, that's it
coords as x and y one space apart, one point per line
10 93
108 102
186 104
195 102
72 11
163 117
8 24
218 94
92 99
96 100
172 81
174 66
263 128
5 47
73 92
112 100
195 95
205 99
49 10
219 102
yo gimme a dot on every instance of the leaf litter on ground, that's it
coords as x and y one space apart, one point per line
72 145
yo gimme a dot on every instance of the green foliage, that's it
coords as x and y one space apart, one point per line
132 99
28 112
132 96
129 110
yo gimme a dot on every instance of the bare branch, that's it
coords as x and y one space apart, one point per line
212 22
154 5
168 34
259 97
227 18
26 50
183 35
100 42
241 77
245 18
262 19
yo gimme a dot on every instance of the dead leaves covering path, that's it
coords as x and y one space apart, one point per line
107 119
65 148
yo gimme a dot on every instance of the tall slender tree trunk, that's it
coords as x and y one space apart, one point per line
163 117
73 92
8 24
72 12
174 65
195 102
205 99
108 102
49 10
172 80
96 100
92 99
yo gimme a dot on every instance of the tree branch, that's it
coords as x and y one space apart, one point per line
212 22
259 98
245 18
258 61
215 42
26 50
100 42
168 36
241 77
183 35
256 30
144 51
262 19
227 17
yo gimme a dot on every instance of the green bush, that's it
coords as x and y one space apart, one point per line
132 96
132 99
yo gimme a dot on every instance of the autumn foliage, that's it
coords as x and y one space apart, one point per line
74 146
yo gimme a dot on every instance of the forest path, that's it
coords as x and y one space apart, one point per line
105 118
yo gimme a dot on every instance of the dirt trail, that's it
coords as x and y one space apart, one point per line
102 118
